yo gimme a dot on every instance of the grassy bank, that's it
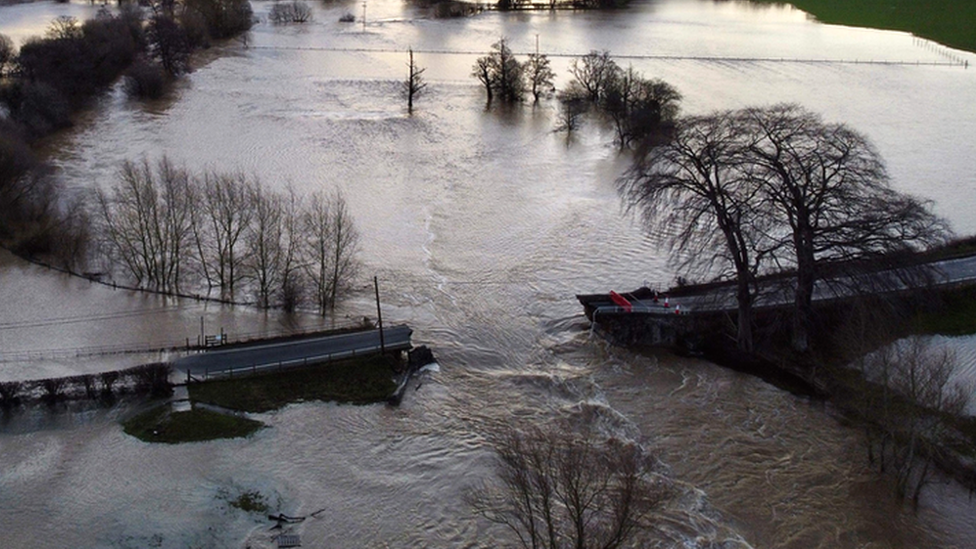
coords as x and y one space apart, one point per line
161 425
358 381
949 22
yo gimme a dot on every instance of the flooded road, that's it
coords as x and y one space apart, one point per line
481 225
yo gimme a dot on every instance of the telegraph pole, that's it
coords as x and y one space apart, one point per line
379 315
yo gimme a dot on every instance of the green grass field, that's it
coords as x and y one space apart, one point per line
161 425
949 22
358 381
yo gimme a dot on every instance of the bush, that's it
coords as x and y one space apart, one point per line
53 388
290 12
152 379
10 393
37 107
347 18
146 80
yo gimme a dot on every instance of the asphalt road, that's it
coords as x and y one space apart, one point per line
395 337
946 272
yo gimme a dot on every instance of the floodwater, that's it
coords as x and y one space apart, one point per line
481 225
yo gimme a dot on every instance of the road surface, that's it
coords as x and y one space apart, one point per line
296 351
781 292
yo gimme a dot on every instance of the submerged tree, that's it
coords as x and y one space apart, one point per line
594 73
415 84
539 76
330 247
640 108
562 490
227 208
916 396
147 222
169 44
500 73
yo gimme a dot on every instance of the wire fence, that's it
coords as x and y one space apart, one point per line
949 60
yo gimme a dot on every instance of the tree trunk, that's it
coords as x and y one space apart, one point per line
744 298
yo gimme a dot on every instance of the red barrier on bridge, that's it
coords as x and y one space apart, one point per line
621 301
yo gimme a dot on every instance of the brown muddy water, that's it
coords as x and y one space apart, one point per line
481 226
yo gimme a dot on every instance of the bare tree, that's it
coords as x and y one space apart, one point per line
500 73
227 209
573 104
639 107
414 84
561 490
147 222
696 191
594 72
169 43
267 254
64 27
331 247
295 11
916 395
830 189
539 75
482 71
7 52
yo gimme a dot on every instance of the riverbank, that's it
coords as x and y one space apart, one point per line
949 22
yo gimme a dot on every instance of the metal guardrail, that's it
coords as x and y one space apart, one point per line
185 345
294 363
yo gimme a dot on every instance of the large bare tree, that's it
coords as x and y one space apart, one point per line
227 207
331 247
559 489
147 222
265 242
830 191
695 190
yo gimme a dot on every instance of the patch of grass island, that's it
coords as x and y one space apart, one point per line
360 380
161 424
364 380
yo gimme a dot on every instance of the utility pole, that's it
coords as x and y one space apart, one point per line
379 315
364 15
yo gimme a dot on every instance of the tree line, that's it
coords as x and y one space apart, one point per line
640 109
167 228
52 76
